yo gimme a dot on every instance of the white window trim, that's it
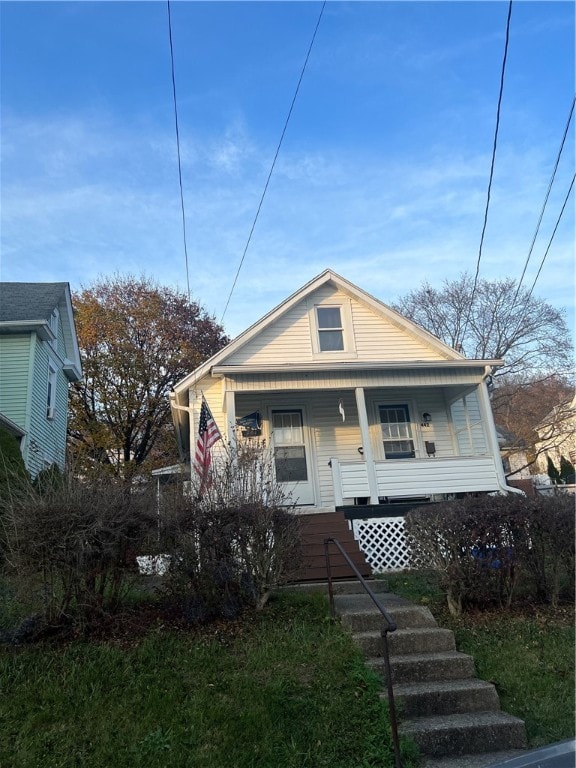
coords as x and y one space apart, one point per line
51 390
345 307
54 324
414 426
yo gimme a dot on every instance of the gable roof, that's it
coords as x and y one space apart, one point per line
446 353
29 302
26 307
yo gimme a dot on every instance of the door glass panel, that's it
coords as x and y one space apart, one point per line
290 464
289 451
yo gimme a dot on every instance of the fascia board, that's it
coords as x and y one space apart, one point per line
225 370
41 327
71 335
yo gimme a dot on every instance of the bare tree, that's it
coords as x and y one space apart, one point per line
495 320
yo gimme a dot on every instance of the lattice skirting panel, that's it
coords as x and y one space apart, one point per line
383 542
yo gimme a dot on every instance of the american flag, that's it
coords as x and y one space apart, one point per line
208 434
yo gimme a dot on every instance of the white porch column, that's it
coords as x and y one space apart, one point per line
192 426
366 444
491 436
230 408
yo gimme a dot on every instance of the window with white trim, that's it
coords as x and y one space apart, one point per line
396 432
330 329
51 398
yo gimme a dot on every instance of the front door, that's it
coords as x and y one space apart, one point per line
292 455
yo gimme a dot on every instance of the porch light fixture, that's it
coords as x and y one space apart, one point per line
426 420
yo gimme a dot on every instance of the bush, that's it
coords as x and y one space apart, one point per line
12 470
548 553
229 547
483 547
70 539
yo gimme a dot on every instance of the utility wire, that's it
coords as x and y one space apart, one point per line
495 143
526 299
273 162
552 237
178 148
544 205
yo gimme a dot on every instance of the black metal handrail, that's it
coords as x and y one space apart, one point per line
390 626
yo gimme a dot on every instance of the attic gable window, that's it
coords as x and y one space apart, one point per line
330 329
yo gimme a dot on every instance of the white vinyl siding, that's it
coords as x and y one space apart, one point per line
47 437
468 428
373 336
15 377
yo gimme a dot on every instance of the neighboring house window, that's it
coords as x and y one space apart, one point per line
330 329
54 320
51 400
396 432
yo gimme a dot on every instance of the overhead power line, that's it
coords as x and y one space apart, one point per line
178 148
526 299
494 145
273 162
552 236
545 202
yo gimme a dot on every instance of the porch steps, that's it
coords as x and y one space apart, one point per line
454 717
316 528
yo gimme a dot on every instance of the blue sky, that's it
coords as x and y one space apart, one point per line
382 175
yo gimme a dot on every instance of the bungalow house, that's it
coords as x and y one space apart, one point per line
362 408
39 357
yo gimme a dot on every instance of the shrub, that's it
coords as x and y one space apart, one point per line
482 547
566 471
231 546
548 552
71 539
12 470
472 543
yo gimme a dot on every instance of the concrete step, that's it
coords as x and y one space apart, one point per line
465 734
445 698
426 667
341 587
358 612
483 760
406 641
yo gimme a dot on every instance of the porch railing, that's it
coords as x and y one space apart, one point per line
404 478
389 626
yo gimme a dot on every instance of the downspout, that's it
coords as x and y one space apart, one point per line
491 434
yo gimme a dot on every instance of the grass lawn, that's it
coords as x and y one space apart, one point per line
528 653
283 689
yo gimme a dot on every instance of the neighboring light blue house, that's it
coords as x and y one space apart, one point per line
39 357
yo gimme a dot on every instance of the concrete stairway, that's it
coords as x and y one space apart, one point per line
453 717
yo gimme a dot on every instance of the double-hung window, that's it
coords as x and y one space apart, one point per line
396 432
330 329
